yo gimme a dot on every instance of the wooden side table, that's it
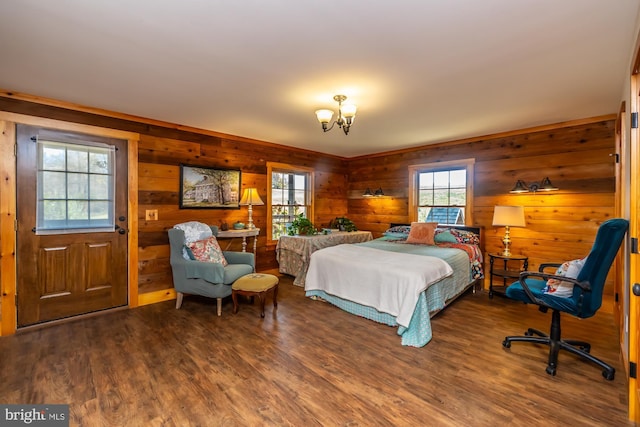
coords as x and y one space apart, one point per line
511 268
231 234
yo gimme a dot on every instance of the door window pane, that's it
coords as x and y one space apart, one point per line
77 186
53 185
53 158
99 162
77 161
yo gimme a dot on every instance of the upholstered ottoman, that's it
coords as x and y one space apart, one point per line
255 284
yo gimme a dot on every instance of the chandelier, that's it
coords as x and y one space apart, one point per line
346 114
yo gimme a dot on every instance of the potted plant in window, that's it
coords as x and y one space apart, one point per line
301 226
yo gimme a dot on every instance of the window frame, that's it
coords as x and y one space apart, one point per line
414 173
309 191
69 225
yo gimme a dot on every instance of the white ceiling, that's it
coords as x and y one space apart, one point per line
420 71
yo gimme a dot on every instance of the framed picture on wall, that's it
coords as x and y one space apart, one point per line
203 187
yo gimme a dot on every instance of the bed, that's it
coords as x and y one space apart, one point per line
398 283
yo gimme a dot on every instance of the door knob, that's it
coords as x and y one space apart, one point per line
122 231
636 289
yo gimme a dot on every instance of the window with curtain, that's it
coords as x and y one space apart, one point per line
441 192
75 187
290 194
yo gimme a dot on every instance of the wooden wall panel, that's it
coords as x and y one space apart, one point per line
161 149
159 173
8 215
159 188
561 225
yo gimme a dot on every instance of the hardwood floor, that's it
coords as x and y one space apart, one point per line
311 364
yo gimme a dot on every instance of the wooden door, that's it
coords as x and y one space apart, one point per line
73 264
621 292
634 258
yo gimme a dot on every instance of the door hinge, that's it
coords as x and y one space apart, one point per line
633 369
634 245
15 150
15 225
634 120
616 298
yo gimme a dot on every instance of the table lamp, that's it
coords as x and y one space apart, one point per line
251 197
508 216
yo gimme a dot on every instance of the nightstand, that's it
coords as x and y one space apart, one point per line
510 268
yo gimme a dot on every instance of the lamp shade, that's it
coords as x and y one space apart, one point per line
546 185
520 187
348 111
512 216
251 197
324 116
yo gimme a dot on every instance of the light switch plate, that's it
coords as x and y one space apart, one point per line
151 214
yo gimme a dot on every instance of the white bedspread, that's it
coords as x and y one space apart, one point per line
390 282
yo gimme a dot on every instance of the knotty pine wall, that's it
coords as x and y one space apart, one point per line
158 183
161 149
561 225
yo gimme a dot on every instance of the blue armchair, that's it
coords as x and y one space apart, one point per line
584 302
207 279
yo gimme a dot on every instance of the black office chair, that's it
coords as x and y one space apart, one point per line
584 302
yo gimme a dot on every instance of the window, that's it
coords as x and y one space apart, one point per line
441 192
75 187
290 194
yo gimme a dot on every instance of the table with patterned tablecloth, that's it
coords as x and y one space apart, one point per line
294 252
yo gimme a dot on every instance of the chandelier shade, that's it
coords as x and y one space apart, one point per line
324 116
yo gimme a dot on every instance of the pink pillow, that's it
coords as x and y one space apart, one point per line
422 233
207 250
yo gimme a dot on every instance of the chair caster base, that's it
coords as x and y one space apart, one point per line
576 347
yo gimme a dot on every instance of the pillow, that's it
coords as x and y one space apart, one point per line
445 236
560 288
207 250
399 236
402 229
193 231
422 233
